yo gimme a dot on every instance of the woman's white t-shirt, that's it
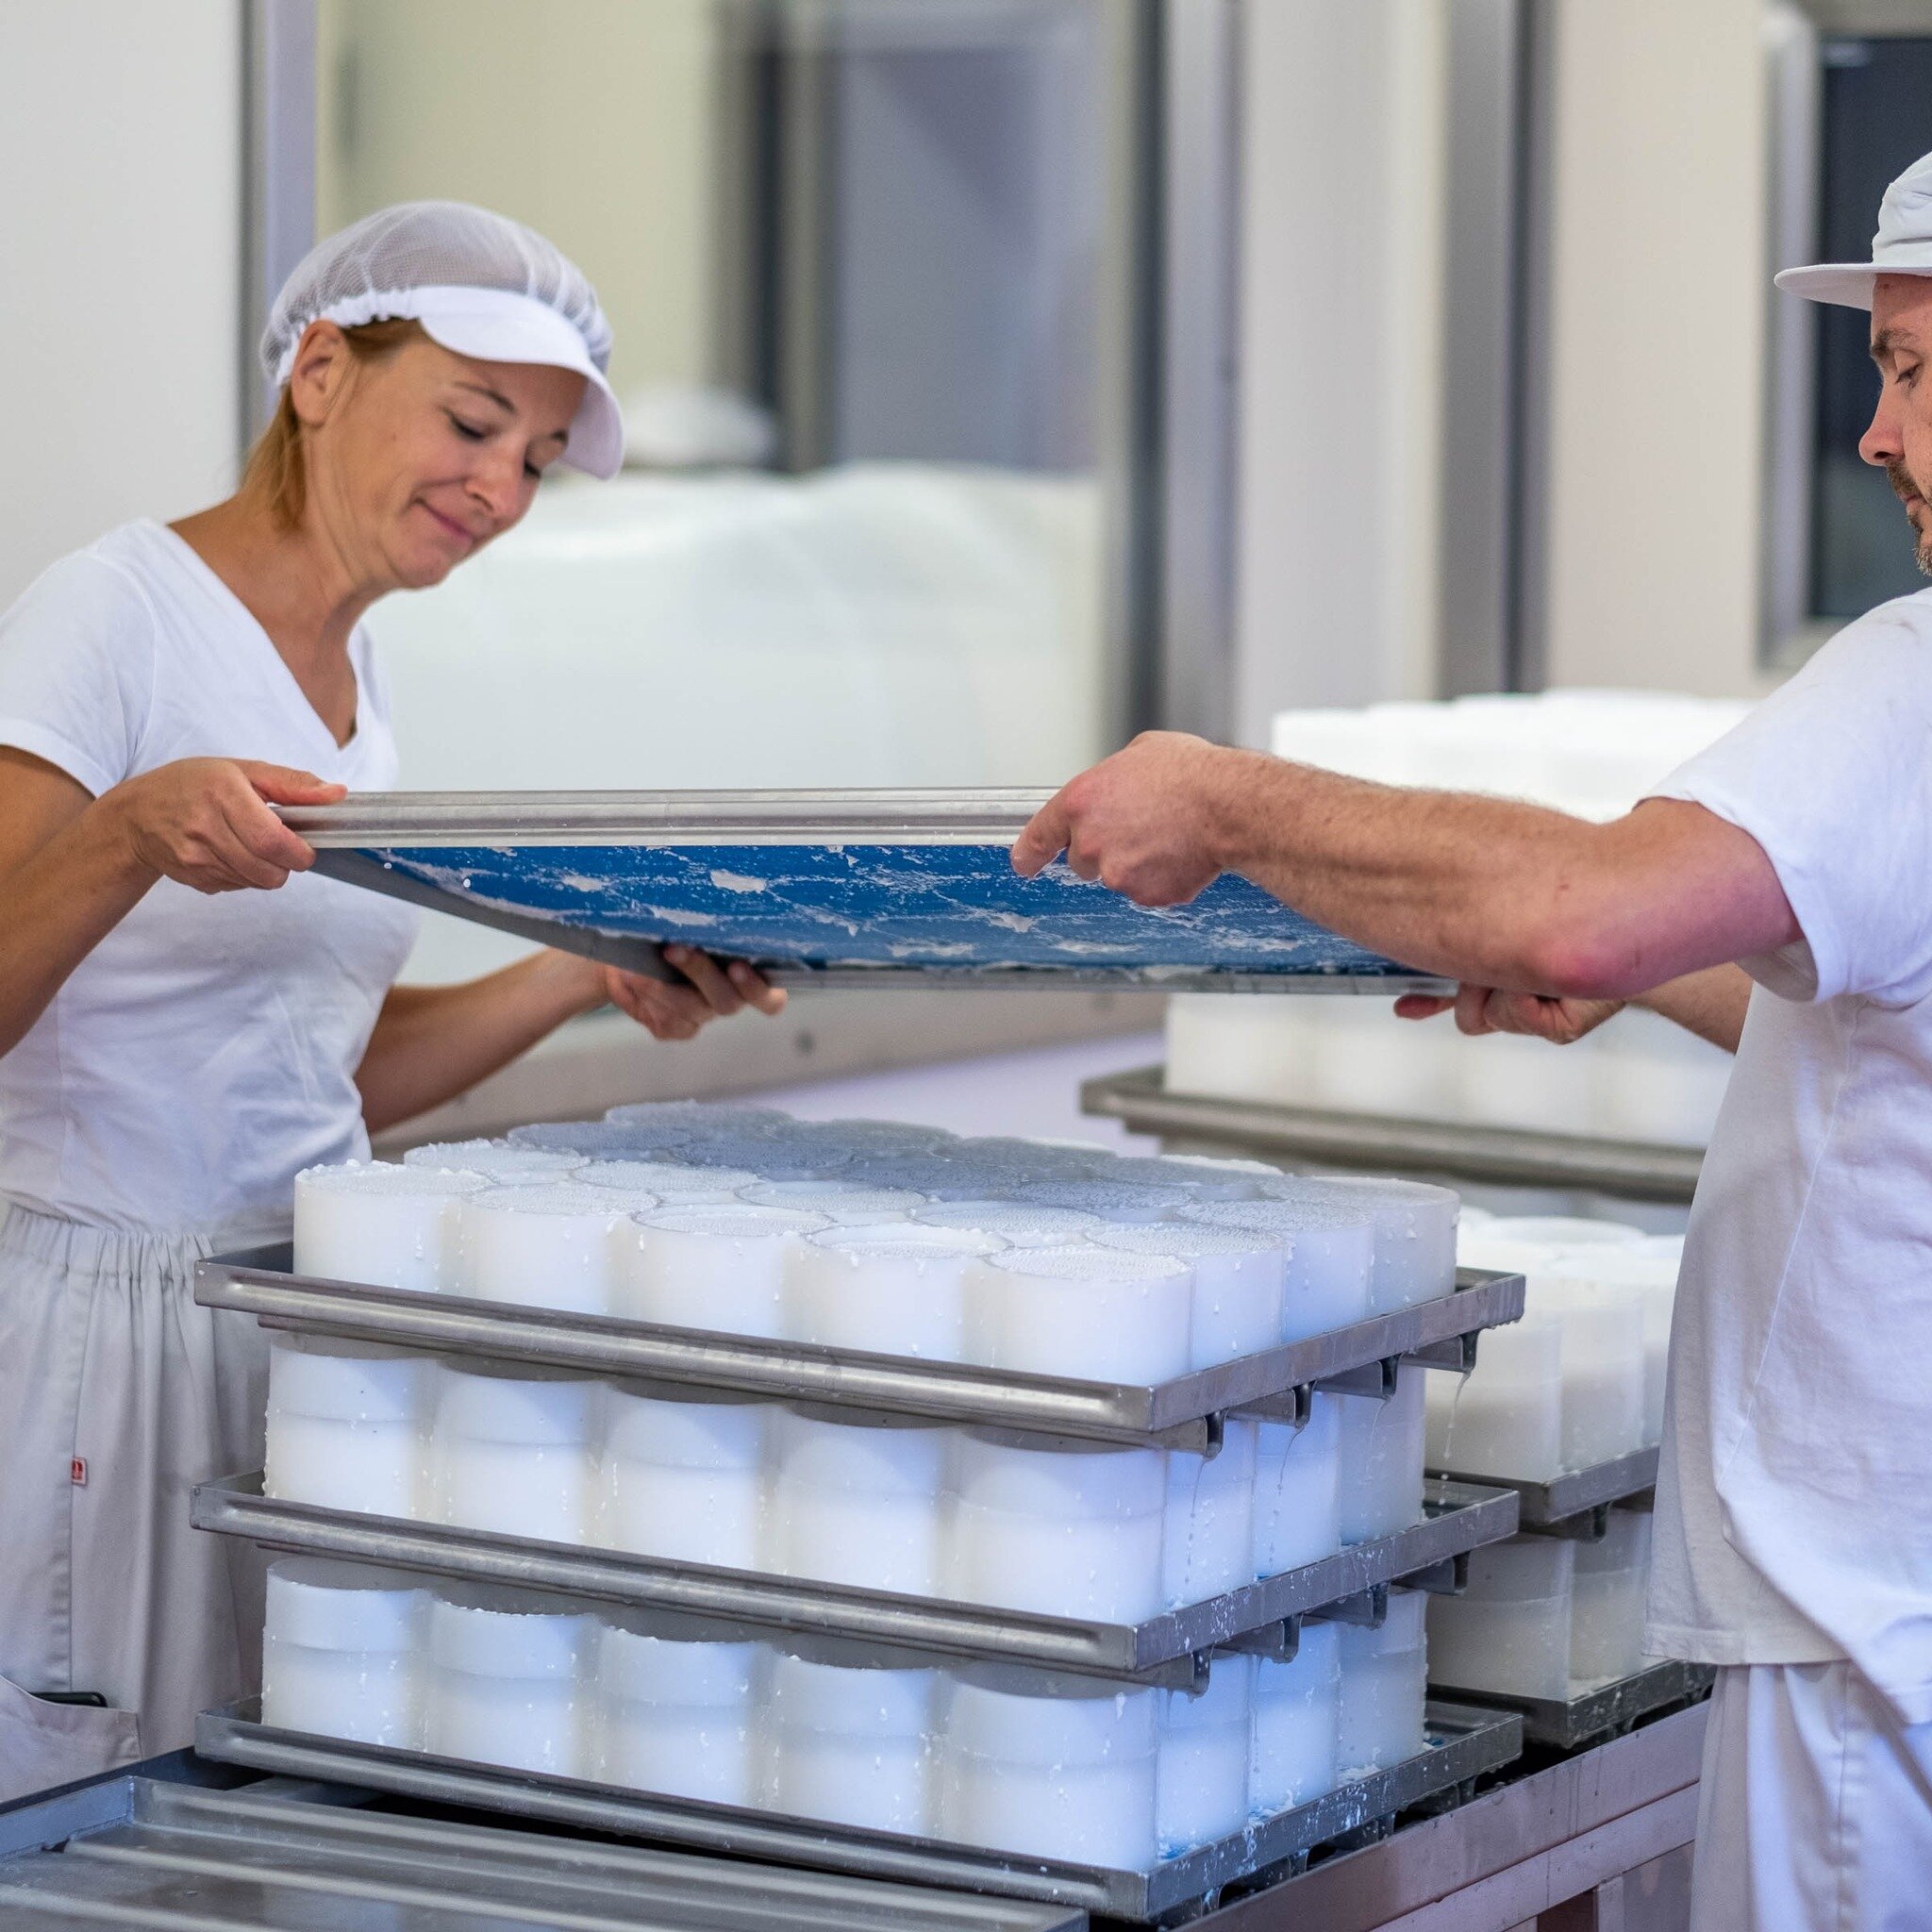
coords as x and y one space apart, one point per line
205 1050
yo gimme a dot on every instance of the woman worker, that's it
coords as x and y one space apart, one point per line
187 1019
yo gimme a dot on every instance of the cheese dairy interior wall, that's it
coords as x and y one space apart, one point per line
1658 303
1658 257
1342 233
621 181
1647 533
120 145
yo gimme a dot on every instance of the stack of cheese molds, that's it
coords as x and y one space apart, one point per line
1019 1257
1545 1617
1070 1768
1580 1379
1578 1382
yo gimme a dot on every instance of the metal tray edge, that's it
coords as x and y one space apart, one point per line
1141 1100
1160 1648
1562 1500
1483 1739
1165 1414
1567 1723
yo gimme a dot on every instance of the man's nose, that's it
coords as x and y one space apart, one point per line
1880 444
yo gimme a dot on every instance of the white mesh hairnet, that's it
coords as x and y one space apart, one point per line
481 284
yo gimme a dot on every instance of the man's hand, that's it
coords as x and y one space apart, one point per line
1483 1009
1149 823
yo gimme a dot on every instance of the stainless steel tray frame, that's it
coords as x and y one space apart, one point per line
1465 1743
888 816
1186 1413
1171 1648
143 1849
647 958
1601 1711
339 833
1494 1156
1576 1505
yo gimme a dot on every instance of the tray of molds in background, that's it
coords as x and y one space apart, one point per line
1574 1505
1186 1413
1494 1156
828 889
1603 1710
1170 1648
1552 1628
1462 1743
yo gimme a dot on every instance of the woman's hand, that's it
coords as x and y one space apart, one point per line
432 1043
206 822
714 992
1483 1009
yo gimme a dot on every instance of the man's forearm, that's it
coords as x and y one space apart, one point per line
1451 884
1482 891
1711 1004
1493 892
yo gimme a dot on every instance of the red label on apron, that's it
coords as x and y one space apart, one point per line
76 1472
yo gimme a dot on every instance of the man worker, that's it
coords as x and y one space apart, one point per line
1775 896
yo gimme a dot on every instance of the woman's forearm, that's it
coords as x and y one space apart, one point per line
433 1042
59 903
1711 1004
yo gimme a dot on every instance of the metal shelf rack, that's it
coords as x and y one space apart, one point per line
1598 1711
1171 1648
1495 1157
1576 1505
1186 1413
1463 1745
162 1846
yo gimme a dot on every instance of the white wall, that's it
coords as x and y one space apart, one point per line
120 159
594 121
1659 313
1340 352
1657 306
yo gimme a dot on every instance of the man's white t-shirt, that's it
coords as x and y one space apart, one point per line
205 1050
1794 1504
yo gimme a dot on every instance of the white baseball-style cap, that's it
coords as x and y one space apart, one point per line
1902 246
481 284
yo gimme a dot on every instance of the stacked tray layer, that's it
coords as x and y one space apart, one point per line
874 1409
1015 1761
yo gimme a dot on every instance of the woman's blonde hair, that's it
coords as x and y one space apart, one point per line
275 467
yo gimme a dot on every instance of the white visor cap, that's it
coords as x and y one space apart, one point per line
480 285
1902 246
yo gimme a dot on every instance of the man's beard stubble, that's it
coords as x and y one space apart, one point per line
1905 485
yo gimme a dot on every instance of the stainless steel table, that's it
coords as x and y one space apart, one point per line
1596 1843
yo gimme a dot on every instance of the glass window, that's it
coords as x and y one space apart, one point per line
1874 126
873 272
